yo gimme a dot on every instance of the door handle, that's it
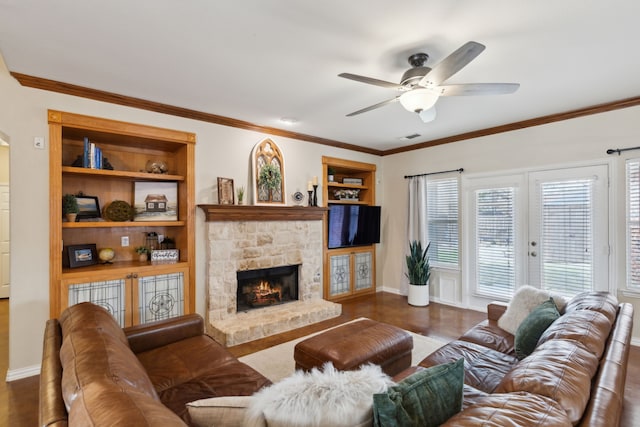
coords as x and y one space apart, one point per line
534 254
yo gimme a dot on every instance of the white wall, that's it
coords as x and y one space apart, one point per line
220 151
584 139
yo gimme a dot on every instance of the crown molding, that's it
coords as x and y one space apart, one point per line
113 98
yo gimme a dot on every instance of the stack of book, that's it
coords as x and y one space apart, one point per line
92 157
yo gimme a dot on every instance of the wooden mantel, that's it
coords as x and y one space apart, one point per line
262 213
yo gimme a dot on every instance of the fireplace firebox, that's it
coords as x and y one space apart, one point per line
266 287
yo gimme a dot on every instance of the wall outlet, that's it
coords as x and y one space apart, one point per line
124 241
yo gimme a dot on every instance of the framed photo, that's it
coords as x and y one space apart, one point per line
81 255
88 206
155 201
225 191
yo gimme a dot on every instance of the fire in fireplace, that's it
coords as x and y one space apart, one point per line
266 287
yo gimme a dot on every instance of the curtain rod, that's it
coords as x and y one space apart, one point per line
620 150
434 173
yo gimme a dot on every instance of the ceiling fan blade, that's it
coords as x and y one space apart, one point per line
452 64
478 89
371 81
374 106
428 115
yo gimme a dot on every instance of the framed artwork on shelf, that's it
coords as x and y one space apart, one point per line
225 191
88 207
155 201
80 255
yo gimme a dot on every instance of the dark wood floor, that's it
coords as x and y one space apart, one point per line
19 399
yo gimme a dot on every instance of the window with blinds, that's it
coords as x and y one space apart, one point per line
442 222
633 224
495 241
566 236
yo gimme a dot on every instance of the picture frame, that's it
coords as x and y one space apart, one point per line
226 194
89 207
155 201
80 255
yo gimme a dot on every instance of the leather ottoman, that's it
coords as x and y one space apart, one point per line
351 345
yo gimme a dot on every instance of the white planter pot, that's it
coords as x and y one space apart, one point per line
419 295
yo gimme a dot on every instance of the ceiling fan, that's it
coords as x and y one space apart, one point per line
421 86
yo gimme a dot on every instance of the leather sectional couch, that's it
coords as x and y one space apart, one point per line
95 373
575 376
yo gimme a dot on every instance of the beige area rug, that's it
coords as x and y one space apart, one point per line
277 362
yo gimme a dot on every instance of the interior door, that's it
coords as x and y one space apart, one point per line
568 248
4 241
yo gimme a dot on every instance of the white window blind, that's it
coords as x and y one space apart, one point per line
566 239
442 222
495 241
633 224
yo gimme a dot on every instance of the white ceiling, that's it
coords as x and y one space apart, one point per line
260 60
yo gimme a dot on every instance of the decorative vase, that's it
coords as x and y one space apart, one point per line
143 257
71 217
418 295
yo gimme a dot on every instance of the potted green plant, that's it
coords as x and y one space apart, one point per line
331 173
418 273
70 207
143 253
240 194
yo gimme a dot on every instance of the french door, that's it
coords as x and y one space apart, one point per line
568 250
548 229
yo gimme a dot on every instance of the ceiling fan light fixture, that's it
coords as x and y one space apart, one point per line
418 100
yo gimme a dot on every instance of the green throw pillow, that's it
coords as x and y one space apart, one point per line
427 398
533 326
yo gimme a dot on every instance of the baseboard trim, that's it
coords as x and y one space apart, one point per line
18 374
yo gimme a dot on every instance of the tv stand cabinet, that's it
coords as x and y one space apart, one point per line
348 272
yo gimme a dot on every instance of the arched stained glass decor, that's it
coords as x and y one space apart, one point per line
267 153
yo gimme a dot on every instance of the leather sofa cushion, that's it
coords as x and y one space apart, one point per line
559 369
97 351
489 334
484 368
197 368
86 315
103 403
603 302
589 328
512 409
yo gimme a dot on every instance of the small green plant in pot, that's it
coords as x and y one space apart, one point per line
418 273
70 207
143 253
240 194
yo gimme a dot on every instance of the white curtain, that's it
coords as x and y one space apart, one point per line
417 220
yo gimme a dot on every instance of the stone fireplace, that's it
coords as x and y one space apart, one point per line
243 239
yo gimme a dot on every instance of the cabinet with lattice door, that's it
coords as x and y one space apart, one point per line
134 291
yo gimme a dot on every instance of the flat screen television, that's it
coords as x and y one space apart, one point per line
353 225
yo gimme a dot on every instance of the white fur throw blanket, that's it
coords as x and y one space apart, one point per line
327 398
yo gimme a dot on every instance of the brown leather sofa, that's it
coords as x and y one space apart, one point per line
575 376
95 373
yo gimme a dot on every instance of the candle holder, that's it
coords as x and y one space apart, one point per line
310 197
315 195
